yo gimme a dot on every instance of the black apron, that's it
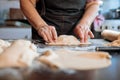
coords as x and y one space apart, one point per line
63 14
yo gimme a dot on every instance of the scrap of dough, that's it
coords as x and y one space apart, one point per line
114 43
119 36
3 45
78 60
67 40
50 56
20 54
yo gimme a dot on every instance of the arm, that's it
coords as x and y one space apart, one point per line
91 12
82 29
28 8
44 30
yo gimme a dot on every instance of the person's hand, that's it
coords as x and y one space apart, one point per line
48 33
83 32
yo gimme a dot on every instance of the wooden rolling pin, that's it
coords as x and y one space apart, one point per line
110 35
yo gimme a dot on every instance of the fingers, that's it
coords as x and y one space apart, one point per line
86 36
49 36
81 36
90 34
48 33
43 35
83 33
79 33
54 33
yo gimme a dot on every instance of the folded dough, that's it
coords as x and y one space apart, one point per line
63 40
78 60
20 54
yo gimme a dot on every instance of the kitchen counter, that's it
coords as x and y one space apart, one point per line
12 32
42 72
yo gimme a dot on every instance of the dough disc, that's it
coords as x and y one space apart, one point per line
67 40
77 60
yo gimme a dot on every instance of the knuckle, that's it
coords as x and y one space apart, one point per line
53 28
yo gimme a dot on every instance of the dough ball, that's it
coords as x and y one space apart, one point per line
110 35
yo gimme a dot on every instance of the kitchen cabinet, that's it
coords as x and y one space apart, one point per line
15 33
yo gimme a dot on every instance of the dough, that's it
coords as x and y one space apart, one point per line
63 40
119 36
78 60
113 36
20 54
3 45
110 35
114 43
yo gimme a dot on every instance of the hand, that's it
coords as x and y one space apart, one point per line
48 33
83 32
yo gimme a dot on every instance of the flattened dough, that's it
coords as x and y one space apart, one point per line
63 40
78 60
20 54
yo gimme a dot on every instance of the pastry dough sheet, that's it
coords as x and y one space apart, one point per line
67 40
78 60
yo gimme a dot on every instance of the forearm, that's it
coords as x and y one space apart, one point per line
91 12
28 8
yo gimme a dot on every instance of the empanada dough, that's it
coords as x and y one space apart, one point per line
78 60
20 54
63 40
